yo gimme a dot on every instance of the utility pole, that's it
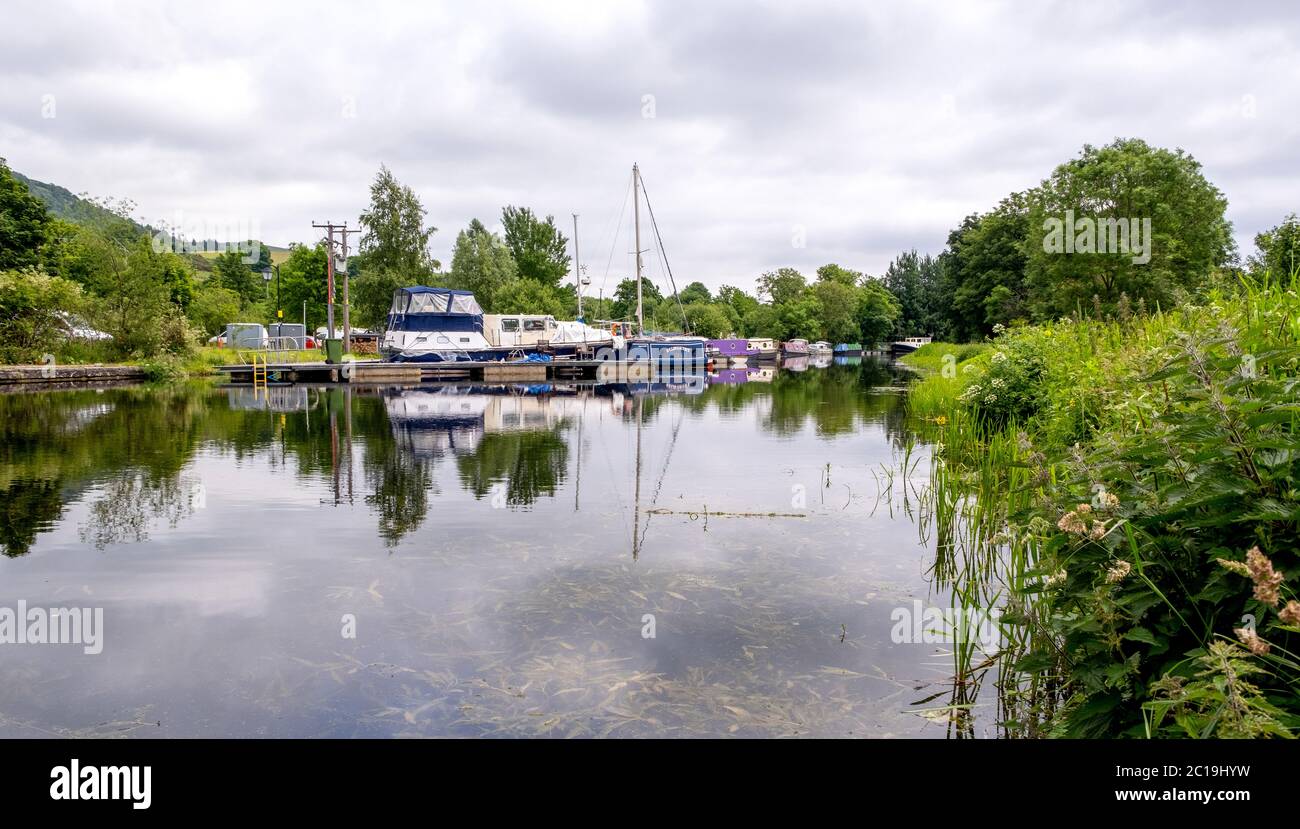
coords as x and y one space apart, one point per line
577 265
330 229
636 212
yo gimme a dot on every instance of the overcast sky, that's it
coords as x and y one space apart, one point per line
797 133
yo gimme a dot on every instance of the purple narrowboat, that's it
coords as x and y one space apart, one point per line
736 352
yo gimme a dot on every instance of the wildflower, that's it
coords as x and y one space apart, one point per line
1072 523
1238 567
998 328
990 398
998 382
1118 572
942 420
1084 509
969 368
999 357
1098 531
1267 580
1056 578
1110 501
1291 613
1251 640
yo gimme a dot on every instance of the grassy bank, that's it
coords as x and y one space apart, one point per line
1127 491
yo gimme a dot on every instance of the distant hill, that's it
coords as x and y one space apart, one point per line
61 202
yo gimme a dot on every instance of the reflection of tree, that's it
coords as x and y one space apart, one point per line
400 484
55 445
835 400
130 505
531 463
26 508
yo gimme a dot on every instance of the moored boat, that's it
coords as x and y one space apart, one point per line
848 349
762 349
734 352
907 345
820 348
794 348
447 325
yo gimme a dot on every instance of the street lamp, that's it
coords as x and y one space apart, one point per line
266 280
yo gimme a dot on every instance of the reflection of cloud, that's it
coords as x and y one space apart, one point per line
202 586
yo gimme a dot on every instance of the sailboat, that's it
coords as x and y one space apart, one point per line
666 350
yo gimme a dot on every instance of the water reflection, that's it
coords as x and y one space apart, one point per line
501 546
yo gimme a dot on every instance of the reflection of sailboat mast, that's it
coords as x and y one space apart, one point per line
636 509
577 475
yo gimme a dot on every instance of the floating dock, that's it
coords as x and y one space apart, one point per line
376 372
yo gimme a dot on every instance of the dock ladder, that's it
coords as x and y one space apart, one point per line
260 367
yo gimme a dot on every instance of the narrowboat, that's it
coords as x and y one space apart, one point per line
734 352
794 348
762 349
820 348
848 349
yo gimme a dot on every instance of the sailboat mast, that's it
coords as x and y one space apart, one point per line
636 212
577 265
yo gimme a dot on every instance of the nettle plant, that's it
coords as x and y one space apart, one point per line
1169 607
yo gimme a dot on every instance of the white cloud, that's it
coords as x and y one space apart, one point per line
875 128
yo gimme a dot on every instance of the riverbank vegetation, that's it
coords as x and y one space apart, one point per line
1128 487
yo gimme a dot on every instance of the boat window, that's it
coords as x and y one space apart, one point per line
510 325
427 303
534 325
399 302
465 304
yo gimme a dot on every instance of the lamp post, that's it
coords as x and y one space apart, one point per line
266 279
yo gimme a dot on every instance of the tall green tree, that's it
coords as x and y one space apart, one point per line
303 279
625 300
695 292
393 234
482 263
1277 250
24 222
1128 179
234 274
877 312
983 271
782 285
914 280
539 249
839 310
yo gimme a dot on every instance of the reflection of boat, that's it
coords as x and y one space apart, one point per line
821 347
795 363
760 375
820 360
446 325
847 361
763 349
454 419
795 347
907 345
729 376
848 349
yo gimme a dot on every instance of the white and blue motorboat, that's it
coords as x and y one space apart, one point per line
437 325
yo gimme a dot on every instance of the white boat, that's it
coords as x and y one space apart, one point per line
907 345
820 347
446 325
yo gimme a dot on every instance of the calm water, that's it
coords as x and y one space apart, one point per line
500 548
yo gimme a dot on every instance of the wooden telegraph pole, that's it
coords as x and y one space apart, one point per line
330 229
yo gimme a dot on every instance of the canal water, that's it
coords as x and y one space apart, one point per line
713 557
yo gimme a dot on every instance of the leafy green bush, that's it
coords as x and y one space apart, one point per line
33 314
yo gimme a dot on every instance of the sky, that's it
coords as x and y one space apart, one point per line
768 135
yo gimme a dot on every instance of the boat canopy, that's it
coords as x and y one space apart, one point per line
420 308
422 300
